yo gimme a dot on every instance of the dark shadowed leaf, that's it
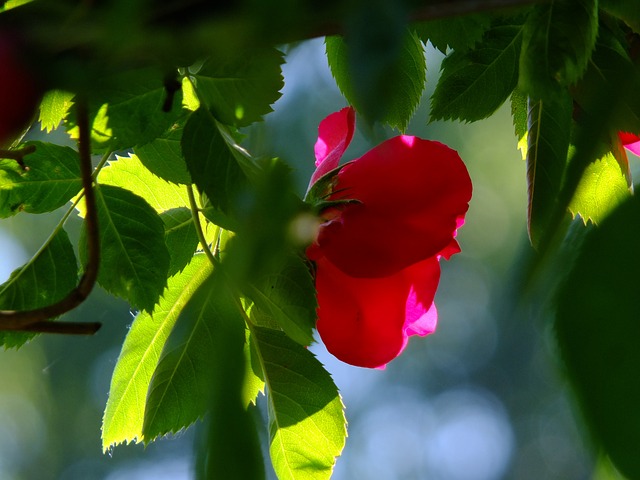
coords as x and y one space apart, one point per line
52 179
287 297
210 160
547 150
241 91
383 78
598 329
134 256
180 236
558 39
47 278
474 83
163 156
457 32
124 413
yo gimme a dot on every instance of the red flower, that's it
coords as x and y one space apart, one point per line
377 259
630 141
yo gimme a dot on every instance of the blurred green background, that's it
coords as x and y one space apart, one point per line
481 399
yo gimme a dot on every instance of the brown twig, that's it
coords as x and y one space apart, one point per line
18 155
36 320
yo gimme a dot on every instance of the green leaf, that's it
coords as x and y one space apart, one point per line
134 256
240 91
288 298
211 163
180 236
460 32
51 180
231 427
124 413
612 81
474 83
519 113
48 277
559 37
163 156
625 10
547 150
604 186
54 108
127 108
130 173
383 78
597 330
307 426
180 389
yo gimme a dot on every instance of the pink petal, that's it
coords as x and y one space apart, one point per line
334 135
630 141
414 195
366 322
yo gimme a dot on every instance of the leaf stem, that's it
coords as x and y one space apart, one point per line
37 320
195 212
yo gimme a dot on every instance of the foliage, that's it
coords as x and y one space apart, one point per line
196 232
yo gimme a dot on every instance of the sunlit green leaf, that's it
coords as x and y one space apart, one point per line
54 108
124 413
597 329
306 418
558 39
47 278
129 172
181 387
288 298
547 149
51 179
460 32
383 79
180 236
134 256
474 83
241 91
211 163
602 188
519 113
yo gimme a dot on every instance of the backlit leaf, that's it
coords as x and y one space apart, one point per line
124 413
307 426
134 256
474 83
46 279
241 91
54 108
602 188
129 172
597 330
181 387
51 180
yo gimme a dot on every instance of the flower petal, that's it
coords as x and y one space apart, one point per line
630 141
334 135
414 195
366 322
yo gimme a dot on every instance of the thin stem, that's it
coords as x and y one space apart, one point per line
195 212
18 155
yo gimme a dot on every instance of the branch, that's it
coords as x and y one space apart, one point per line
18 155
36 320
